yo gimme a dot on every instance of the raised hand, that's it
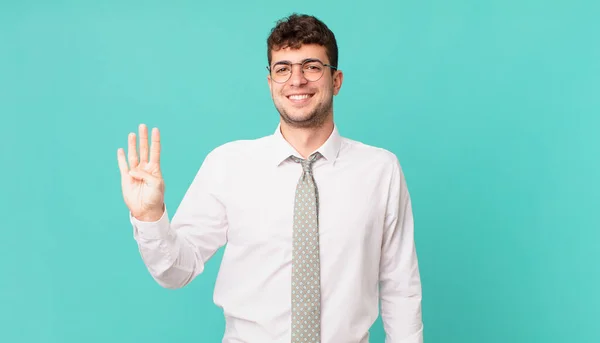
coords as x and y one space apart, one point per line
142 182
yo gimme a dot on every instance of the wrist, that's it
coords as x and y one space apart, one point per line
152 215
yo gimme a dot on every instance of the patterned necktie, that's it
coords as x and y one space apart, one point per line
306 280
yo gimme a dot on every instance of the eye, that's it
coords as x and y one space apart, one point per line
313 67
281 69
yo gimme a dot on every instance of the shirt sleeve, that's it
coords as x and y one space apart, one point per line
175 251
400 283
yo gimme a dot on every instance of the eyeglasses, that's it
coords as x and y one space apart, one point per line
312 70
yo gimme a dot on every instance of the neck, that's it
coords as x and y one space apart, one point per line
307 139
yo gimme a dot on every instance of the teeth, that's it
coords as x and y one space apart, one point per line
299 97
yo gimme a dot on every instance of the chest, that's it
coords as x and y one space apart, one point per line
260 206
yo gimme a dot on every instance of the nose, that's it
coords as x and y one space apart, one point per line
297 78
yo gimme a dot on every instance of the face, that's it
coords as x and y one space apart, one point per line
303 103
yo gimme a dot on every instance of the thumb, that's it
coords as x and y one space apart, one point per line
144 176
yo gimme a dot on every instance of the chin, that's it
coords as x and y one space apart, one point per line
304 120
299 117
297 120
303 116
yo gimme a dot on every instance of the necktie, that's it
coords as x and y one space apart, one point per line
306 280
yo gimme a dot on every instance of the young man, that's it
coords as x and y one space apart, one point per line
317 228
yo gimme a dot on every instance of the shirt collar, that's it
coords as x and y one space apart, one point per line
283 149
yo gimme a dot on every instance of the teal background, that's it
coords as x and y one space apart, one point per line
491 106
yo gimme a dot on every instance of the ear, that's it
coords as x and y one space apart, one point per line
338 78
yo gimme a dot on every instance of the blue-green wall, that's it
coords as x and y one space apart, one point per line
493 108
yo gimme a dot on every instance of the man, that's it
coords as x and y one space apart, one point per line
317 228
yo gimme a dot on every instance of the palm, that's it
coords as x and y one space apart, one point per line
138 194
141 182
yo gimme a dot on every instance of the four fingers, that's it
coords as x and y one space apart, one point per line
132 156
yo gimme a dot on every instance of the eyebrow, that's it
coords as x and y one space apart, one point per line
310 59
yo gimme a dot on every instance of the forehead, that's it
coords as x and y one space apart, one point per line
298 55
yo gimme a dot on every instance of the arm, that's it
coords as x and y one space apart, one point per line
400 283
176 251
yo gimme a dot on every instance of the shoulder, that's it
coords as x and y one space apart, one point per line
383 163
226 159
375 156
236 151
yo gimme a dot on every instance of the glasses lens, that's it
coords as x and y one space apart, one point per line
313 70
281 72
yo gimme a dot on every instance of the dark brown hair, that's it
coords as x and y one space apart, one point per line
299 29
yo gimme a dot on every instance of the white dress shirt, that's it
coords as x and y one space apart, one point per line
242 198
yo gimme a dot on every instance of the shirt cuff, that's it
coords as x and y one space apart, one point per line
151 230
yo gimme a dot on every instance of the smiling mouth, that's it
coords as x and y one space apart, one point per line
299 97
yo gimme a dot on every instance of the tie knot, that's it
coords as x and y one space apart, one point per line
307 163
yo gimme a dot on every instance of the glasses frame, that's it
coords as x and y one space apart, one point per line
301 64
